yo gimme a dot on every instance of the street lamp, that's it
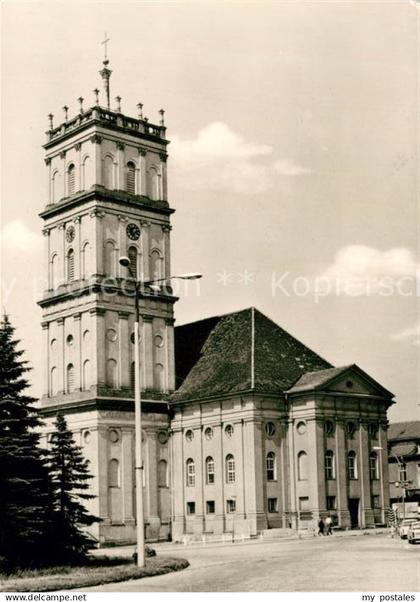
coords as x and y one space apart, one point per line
125 262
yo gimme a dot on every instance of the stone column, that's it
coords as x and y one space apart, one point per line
62 230
342 476
61 363
254 477
219 491
98 346
78 385
63 158
178 485
170 354
120 184
366 513
145 246
47 257
147 354
163 177
127 472
97 159
103 459
77 248
239 526
284 475
46 345
166 228
78 182
142 167
122 272
292 470
97 251
49 187
123 349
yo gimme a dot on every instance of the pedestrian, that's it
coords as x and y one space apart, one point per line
321 527
328 525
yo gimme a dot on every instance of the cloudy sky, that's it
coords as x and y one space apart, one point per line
292 164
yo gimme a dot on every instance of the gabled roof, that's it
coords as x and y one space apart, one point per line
404 431
322 379
238 352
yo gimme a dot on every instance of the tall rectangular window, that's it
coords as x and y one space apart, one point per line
210 507
331 502
190 507
230 506
272 505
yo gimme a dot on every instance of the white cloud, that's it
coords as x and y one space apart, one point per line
16 236
289 168
411 334
220 159
216 141
359 269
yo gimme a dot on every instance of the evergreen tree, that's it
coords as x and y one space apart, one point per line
70 480
25 497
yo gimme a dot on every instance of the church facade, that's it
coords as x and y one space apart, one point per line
244 427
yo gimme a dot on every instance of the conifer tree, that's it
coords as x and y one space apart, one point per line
70 480
25 497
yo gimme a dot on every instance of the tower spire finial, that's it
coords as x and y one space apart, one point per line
105 72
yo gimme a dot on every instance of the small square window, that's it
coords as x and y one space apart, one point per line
331 502
230 506
272 505
303 503
190 507
210 507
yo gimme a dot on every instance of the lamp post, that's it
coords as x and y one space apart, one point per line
125 262
397 483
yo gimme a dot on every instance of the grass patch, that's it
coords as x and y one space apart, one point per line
95 572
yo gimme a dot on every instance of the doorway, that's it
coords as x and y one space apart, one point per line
353 503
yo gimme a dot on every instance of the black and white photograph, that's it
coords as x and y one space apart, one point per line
210 283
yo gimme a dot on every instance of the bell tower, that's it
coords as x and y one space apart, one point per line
107 197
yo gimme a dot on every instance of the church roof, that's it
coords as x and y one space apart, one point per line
238 352
404 431
313 380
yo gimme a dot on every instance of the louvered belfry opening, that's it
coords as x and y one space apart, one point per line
71 179
70 266
131 178
70 378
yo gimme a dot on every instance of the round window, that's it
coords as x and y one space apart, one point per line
111 335
162 437
158 341
208 433
229 430
301 428
189 435
86 436
328 427
270 429
69 339
113 436
349 384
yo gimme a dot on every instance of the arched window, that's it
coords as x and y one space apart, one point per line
159 378
131 178
70 378
162 473
70 265
329 465
352 465
190 472
54 381
209 470
86 375
155 264
230 469
55 186
302 466
109 172
86 261
110 258
54 271
132 375
373 465
86 180
271 466
111 373
132 256
71 173
114 473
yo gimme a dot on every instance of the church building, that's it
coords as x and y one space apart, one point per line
244 427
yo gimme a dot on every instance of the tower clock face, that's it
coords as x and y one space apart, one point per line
133 232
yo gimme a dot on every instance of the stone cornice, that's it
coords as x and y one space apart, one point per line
118 197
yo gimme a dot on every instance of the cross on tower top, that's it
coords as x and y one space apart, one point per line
106 40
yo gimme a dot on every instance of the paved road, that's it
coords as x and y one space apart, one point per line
363 563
